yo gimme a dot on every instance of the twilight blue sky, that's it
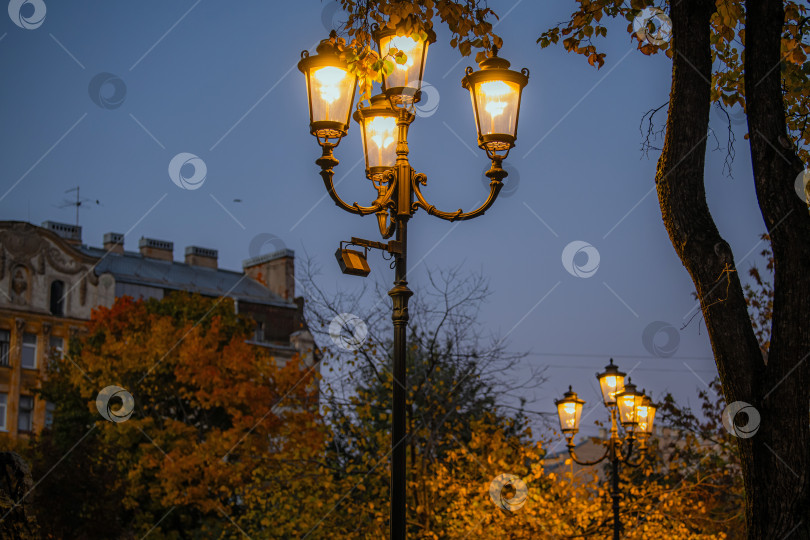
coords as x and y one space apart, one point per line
218 79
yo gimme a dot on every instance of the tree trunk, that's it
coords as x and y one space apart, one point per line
17 521
778 460
774 460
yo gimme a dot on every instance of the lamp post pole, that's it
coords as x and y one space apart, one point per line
617 526
400 294
632 409
613 452
496 91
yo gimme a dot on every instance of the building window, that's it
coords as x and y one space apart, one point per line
58 297
29 351
49 408
5 346
25 418
56 348
3 408
258 332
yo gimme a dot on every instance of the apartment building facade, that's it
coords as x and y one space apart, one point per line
50 282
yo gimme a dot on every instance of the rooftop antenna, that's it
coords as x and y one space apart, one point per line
78 202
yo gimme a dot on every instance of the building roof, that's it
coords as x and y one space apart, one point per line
131 267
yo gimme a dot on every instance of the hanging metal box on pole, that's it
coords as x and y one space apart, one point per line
352 262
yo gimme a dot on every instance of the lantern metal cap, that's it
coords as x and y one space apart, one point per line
493 61
378 33
570 397
377 104
610 369
629 389
326 47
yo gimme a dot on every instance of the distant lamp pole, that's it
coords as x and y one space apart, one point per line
627 406
496 93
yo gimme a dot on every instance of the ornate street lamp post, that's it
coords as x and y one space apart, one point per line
626 406
496 93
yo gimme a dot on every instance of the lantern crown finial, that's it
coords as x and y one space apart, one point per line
629 387
571 395
328 45
493 61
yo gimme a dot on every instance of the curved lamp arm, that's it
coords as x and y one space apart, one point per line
495 173
327 162
573 455
626 458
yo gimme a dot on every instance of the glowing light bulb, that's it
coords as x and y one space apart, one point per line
642 412
380 129
570 408
494 93
612 383
329 80
409 46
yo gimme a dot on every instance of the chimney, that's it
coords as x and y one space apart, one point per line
200 256
156 249
276 271
114 242
71 233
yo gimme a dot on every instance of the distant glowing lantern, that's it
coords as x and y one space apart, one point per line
629 401
611 382
645 416
569 410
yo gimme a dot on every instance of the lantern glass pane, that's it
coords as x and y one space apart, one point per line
379 141
611 385
646 417
497 107
409 72
331 93
642 418
569 413
627 409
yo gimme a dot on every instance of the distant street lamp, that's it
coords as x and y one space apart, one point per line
633 410
496 93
